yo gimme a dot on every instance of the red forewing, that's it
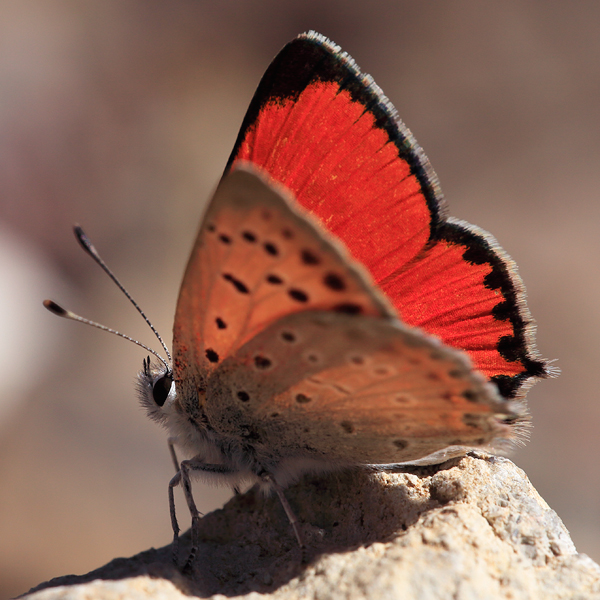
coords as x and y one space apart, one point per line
326 131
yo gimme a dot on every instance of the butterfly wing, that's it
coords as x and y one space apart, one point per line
288 345
325 130
350 389
257 259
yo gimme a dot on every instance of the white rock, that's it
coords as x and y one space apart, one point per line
471 529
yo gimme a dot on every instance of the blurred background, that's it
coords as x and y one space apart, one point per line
120 115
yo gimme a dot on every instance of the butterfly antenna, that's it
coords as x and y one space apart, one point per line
58 310
89 248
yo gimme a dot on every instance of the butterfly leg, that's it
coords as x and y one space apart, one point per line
175 481
182 477
171 441
268 478
175 546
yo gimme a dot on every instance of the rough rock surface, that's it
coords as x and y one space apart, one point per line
471 528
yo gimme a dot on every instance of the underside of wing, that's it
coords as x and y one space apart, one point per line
352 390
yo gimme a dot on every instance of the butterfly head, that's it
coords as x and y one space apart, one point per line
165 404
156 390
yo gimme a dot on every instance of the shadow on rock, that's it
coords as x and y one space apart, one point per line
249 545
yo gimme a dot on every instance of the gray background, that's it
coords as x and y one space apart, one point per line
120 115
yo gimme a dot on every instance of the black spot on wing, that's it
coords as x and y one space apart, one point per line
212 356
298 295
237 284
334 282
348 308
308 257
262 362
303 399
271 249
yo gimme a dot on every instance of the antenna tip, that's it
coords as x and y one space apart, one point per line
55 308
83 239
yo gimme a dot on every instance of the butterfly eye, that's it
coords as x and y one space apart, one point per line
161 389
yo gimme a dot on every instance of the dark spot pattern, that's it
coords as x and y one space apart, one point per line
287 234
433 376
249 236
508 347
312 358
271 249
348 427
220 323
357 360
298 295
309 258
348 308
401 444
237 284
212 356
243 396
225 238
210 227
262 362
400 399
455 373
470 395
288 336
502 311
334 282
274 279
303 399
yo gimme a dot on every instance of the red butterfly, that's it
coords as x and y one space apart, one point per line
331 314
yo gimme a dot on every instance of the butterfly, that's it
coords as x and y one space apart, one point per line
331 313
